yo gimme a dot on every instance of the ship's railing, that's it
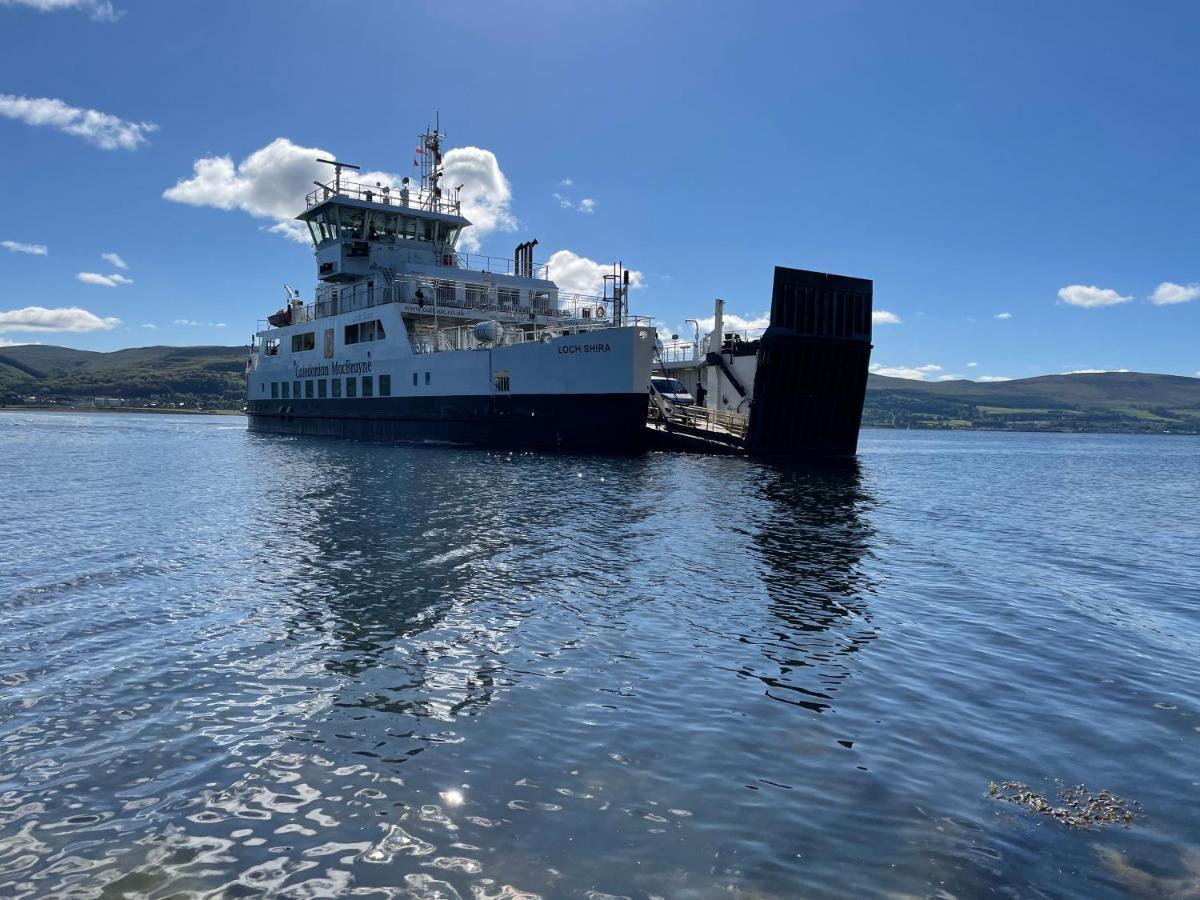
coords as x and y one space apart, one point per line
720 424
427 338
679 352
434 296
497 265
403 198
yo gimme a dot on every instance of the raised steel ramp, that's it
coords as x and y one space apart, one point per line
812 367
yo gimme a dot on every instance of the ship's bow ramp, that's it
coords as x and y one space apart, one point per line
811 378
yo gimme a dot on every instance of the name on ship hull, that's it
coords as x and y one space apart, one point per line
585 348
337 368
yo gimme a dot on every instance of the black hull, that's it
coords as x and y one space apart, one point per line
609 423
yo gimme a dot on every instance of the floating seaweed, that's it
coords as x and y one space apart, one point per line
1078 807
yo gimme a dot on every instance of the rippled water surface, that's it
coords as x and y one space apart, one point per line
238 664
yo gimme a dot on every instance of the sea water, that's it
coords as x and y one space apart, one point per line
241 664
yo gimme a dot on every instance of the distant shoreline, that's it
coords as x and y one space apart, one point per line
158 410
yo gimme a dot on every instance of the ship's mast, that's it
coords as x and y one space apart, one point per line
431 163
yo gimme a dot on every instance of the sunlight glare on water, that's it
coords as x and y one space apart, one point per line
246 664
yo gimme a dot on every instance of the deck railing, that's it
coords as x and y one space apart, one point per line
446 202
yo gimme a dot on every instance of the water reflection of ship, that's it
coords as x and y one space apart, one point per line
813 537
379 569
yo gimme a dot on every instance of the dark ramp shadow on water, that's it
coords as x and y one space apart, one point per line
812 535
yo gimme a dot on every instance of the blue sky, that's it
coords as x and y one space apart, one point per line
1031 159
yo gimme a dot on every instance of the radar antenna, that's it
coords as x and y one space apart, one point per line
337 172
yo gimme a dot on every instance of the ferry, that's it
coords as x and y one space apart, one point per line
407 338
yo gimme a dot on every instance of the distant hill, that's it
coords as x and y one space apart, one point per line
1106 401
213 376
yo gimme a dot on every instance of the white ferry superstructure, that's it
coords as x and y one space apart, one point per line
409 339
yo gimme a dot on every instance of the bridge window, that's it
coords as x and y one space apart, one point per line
322 226
508 296
449 234
351 223
305 341
272 347
364 331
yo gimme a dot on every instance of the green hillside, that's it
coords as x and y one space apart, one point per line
211 376
214 377
1107 401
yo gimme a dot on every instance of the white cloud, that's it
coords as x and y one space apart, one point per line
587 205
18 247
1093 371
100 10
191 323
1003 315
576 274
912 373
972 365
8 343
113 260
1089 296
39 318
991 378
947 378
734 322
150 326
485 195
113 280
101 129
1168 293
271 183
566 182
563 202
883 317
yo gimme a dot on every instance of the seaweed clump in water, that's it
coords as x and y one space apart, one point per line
1079 807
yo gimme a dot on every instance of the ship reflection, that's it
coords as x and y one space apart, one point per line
812 535
388 549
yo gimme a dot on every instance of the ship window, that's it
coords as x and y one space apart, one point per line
295 390
368 386
407 228
352 223
385 385
351 334
284 389
321 391
336 387
540 301
305 341
414 379
450 235
322 226
426 378
308 389
381 225
476 295
508 296
351 387
500 379
274 390
366 331
272 346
